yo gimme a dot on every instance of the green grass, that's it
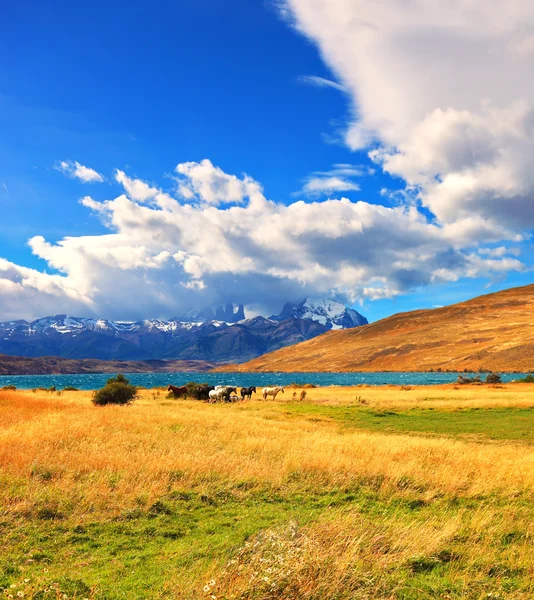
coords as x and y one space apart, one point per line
155 551
484 423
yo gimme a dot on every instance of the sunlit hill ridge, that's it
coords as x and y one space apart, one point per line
494 332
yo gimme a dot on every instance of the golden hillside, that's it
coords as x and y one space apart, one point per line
495 332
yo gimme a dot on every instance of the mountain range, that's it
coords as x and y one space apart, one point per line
223 335
491 332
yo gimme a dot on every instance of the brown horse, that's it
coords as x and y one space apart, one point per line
177 392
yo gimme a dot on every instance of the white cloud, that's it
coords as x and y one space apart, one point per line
338 179
499 252
211 185
75 170
321 82
443 92
163 254
328 185
523 46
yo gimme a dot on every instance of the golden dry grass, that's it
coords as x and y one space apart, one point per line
141 447
88 463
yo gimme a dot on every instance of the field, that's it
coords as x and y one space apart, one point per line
351 493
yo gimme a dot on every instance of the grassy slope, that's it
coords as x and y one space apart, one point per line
158 499
493 332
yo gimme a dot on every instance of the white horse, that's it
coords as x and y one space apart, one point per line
217 395
272 391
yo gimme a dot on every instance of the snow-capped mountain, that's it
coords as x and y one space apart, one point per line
328 312
233 338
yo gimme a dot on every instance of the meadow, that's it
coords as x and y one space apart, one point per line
352 493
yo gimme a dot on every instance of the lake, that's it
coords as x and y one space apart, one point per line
149 380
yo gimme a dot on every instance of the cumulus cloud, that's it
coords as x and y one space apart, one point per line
211 185
443 94
164 253
77 171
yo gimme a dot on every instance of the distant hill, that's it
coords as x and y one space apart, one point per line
46 365
221 336
494 332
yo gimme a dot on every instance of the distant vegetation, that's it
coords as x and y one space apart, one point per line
491 378
116 391
528 379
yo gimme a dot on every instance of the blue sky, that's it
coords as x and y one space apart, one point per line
142 88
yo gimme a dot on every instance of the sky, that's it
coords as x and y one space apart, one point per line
160 156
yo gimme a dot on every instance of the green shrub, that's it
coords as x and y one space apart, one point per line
116 391
493 378
528 379
192 388
9 388
70 388
52 388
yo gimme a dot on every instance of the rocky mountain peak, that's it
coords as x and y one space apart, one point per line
326 311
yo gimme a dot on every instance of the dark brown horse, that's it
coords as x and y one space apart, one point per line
247 392
177 392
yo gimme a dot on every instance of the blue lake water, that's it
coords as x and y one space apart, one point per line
149 380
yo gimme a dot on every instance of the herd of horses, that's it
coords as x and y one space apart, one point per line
223 393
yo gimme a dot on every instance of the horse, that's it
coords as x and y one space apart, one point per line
178 392
247 392
217 395
272 391
203 392
233 398
230 391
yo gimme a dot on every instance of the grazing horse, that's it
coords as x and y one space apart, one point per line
272 391
217 395
177 392
230 391
203 392
247 392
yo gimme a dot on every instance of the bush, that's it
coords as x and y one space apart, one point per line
9 388
493 378
528 379
192 388
70 388
116 391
